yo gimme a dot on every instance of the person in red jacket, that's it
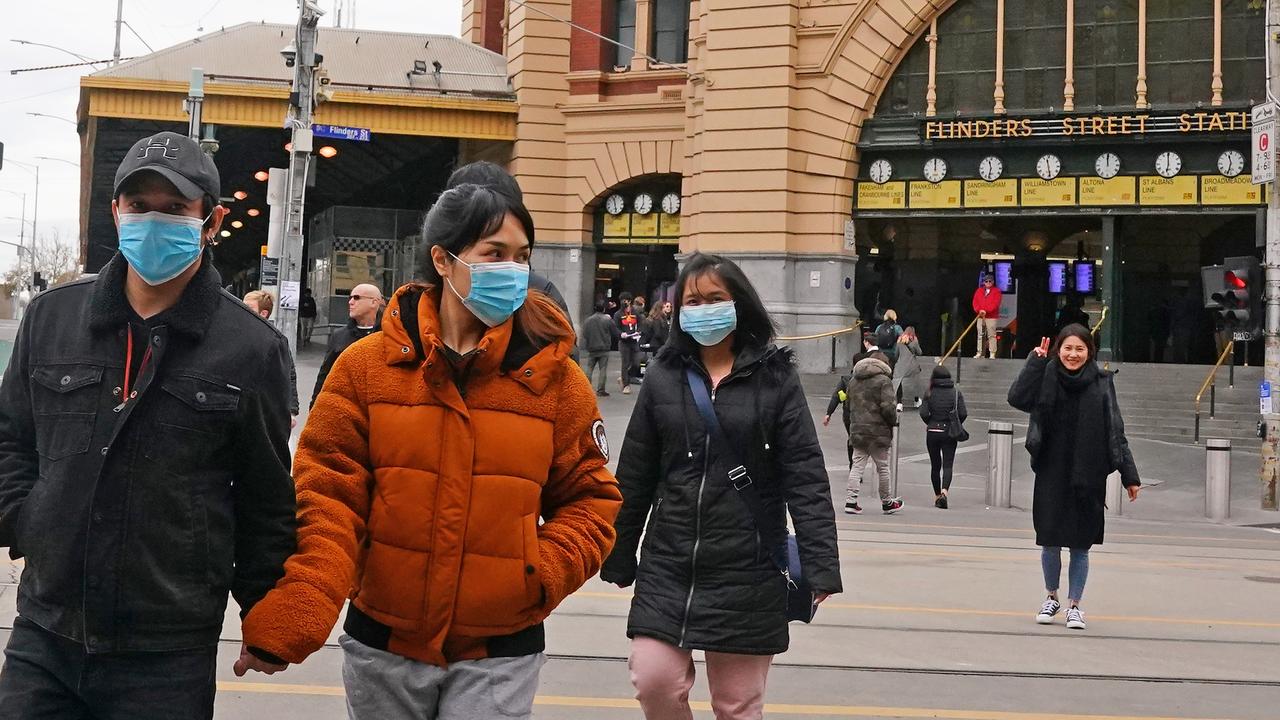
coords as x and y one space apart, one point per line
986 303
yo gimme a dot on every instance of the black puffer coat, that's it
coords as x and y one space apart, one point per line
705 580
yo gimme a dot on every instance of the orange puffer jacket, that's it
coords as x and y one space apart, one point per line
422 503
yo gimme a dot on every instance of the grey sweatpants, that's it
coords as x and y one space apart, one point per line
385 686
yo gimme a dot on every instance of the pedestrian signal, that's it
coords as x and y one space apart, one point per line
1236 295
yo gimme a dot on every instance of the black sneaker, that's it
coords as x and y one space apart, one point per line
892 506
1050 608
853 508
601 393
942 502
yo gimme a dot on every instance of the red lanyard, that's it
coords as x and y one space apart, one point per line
128 362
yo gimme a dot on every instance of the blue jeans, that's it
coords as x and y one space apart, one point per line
1077 572
48 677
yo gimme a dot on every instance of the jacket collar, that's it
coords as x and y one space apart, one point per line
192 315
411 326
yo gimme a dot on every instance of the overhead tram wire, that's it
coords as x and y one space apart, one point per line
653 61
15 71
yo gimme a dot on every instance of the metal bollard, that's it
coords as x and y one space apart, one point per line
1217 479
1000 455
1115 495
893 461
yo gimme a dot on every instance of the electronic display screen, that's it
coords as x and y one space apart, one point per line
1085 276
1003 271
1057 277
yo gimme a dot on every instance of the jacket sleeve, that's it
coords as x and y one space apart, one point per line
265 532
887 403
293 387
926 410
334 485
330 356
842 386
961 410
976 298
581 497
19 464
1025 390
806 487
639 468
1127 467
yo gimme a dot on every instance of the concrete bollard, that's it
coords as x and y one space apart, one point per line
1000 465
1115 495
893 461
1217 479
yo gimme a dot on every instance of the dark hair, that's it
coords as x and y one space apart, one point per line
940 372
489 175
463 216
625 297
1078 331
755 327
600 306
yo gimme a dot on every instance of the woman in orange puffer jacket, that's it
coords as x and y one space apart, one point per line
428 461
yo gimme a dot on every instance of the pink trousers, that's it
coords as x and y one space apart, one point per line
663 675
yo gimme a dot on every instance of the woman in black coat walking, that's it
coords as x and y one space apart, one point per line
940 400
1076 439
706 578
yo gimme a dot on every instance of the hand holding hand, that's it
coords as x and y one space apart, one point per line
1133 492
248 661
1042 350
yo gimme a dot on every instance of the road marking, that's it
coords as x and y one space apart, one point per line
924 610
1027 531
855 711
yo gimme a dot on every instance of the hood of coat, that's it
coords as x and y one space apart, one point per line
870 367
942 383
411 334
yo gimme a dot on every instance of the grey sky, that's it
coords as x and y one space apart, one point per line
87 27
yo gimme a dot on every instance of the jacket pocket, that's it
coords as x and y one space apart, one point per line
195 417
535 593
65 408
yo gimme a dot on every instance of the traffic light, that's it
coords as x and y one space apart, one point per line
1237 295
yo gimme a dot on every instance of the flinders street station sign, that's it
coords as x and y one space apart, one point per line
1099 126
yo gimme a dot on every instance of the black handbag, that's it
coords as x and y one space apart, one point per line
955 428
785 556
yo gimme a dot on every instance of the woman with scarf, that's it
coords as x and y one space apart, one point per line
1076 439
705 579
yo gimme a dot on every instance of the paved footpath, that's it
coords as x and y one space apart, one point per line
937 617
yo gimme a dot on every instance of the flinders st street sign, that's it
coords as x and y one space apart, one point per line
1094 126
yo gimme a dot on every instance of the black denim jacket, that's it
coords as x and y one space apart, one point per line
136 518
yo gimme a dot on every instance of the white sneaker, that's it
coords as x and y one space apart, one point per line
1048 610
978 356
1075 618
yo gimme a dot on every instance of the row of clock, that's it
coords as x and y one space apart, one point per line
642 204
1048 166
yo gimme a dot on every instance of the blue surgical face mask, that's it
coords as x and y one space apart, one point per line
498 289
709 324
160 246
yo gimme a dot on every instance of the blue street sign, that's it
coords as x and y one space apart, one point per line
338 132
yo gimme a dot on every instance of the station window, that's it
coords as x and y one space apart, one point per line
1179 52
909 87
625 32
1106 62
1035 55
967 58
1243 51
671 30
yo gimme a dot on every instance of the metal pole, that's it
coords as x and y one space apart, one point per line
1217 479
1231 369
115 55
299 119
1213 396
1000 465
959 360
1115 496
893 460
195 103
1271 366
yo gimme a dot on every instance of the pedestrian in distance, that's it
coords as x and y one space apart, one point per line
873 414
986 305
942 408
263 303
599 333
628 323
306 317
1075 439
840 396
656 328
677 491
887 334
364 317
144 462
451 482
908 372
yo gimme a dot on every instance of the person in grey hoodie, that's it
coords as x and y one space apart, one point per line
872 415
599 333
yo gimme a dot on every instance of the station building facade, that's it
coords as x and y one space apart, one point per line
859 155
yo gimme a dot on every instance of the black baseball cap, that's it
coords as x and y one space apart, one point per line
178 159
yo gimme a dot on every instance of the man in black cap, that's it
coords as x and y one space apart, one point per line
144 462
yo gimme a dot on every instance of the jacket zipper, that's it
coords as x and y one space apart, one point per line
697 532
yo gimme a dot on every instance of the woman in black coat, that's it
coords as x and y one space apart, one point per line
706 578
1076 439
941 398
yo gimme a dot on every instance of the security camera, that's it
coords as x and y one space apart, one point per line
210 146
290 54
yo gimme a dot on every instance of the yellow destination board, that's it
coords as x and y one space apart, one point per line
1116 191
669 228
983 194
1220 190
935 196
1059 192
617 226
1154 190
889 196
644 226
